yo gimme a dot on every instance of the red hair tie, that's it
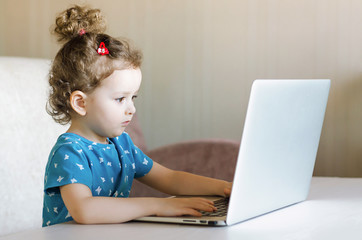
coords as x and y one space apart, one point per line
81 32
102 50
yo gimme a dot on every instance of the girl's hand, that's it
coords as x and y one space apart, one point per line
227 189
184 206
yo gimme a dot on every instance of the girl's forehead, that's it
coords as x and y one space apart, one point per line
127 80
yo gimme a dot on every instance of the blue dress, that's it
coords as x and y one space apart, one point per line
107 169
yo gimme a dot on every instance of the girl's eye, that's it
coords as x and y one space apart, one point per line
120 99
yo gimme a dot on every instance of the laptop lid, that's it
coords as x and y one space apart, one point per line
278 147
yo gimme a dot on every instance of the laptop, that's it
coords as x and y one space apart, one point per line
277 151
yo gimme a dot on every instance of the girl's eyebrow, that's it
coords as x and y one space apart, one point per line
127 92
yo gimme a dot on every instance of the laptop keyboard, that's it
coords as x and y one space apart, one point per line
222 207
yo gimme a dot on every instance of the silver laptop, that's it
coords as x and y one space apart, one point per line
277 152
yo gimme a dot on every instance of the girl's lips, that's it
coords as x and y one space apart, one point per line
126 123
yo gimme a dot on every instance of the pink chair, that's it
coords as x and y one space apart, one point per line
209 157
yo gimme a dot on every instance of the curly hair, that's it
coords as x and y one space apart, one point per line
77 65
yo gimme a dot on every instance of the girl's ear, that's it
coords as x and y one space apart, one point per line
77 101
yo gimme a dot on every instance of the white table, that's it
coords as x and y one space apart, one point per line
333 211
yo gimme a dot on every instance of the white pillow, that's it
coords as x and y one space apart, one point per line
27 136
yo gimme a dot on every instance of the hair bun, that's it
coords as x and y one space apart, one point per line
69 23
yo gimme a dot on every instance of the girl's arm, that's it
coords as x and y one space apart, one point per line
86 209
183 183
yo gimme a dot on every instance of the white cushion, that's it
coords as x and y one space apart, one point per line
27 135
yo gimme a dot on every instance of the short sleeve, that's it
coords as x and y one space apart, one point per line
68 164
143 164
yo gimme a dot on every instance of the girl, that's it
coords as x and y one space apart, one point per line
94 79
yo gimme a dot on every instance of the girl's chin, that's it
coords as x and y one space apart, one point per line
118 133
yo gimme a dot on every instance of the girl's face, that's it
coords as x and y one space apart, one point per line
110 107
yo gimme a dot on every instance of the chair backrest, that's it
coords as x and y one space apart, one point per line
27 135
136 134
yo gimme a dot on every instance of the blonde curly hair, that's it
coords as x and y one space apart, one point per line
77 65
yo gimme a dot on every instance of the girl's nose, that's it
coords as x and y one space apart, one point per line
131 109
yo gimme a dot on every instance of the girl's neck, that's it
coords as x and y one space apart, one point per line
80 130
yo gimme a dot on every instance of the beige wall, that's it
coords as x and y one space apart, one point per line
200 58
